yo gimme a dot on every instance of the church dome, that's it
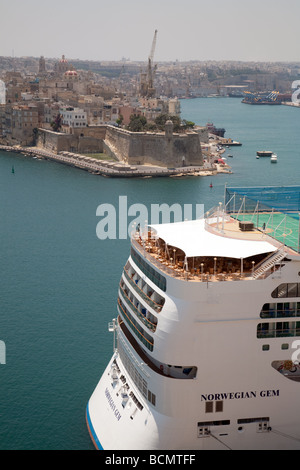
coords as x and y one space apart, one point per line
71 73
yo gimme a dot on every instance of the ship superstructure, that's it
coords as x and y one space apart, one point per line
208 320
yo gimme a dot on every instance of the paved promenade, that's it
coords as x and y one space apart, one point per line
113 169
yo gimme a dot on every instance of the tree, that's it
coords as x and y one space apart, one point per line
120 120
161 120
187 124
137 123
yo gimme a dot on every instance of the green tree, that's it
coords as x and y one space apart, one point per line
120 120
187 124
161 120
137 123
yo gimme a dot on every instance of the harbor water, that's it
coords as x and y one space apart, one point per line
59 282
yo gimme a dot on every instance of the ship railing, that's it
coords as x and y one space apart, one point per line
186 272
279 333
125 315
269 264
141 293
150 325
215 219
132 356
279 223
142 249
281 313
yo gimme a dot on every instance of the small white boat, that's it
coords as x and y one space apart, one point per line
273 158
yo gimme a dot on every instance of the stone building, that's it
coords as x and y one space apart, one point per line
73 118
62 66
24 119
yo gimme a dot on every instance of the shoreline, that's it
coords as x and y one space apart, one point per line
115 169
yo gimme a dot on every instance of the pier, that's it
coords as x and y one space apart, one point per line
114 169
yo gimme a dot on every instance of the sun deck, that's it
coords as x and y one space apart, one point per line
250 236
215 249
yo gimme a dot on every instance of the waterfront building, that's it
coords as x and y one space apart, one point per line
73 118
24 118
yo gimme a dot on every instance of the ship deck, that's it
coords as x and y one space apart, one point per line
174 261
282 227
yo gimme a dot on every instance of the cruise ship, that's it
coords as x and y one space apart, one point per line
207 333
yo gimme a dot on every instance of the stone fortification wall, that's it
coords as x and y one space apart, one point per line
164 149
87 140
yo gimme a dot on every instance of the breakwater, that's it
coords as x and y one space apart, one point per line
114 169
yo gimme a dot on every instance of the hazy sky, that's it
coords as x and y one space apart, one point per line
259 30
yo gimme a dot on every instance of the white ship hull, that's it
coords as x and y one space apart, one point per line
212 380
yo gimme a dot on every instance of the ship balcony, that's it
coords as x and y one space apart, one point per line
146 317
139 332
142 289
281 310
278 330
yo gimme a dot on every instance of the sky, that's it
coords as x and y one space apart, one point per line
100 30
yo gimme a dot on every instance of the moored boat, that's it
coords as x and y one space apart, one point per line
274 158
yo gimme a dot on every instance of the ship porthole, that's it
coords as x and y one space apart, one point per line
240 429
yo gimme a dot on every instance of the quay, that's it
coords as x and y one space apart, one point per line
115 169
228 142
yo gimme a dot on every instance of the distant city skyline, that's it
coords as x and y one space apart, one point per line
262 31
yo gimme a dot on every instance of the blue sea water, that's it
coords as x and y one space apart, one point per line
59 282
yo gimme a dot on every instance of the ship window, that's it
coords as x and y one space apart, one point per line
253 420
209 407
286 290
224 422
284 346
266 347
281 310
278 330
219 407
159 280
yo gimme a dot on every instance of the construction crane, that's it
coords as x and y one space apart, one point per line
118 84
147 78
